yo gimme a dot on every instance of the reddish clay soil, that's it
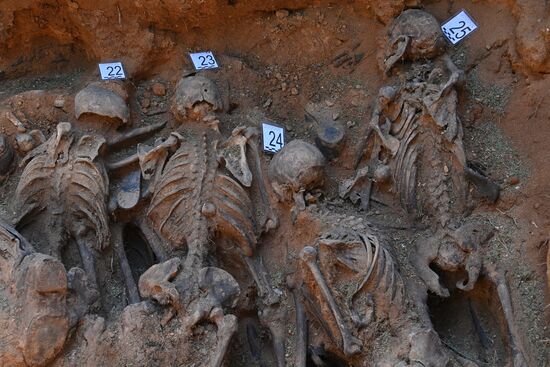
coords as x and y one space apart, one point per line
277 58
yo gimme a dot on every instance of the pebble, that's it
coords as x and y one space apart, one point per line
145 103
24 142
294 91
282 13
283 86
159 89
59 103
513 180
267 103
350 124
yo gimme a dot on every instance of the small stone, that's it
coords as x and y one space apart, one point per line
350 124
294 91
145 103
25 142
267 103
335 116
537 205
282 13
59 103
513 180
329 103
159 89
445 169
283 86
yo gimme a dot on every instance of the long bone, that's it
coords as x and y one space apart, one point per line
271 314
274 319
259 273
270 221
518 357
117 238
351 344
227 326
300 356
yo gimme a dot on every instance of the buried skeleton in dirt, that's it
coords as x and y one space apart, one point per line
201 188
418 141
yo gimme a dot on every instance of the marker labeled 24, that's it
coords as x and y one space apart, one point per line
273 137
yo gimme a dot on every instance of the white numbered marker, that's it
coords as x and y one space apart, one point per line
112 70
204 60
273 137
458 27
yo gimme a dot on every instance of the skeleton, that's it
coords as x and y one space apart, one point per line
359 290
198 187
65 187
419 136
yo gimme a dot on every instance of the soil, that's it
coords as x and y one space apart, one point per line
276 58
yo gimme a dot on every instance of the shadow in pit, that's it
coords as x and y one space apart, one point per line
471 324
139 254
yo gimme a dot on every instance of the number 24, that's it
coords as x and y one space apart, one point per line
278 139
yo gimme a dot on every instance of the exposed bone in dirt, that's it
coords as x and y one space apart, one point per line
404 223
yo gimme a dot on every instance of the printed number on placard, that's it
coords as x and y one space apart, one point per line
273 137
204 60
111 70
458 27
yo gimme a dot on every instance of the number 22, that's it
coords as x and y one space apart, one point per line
118 72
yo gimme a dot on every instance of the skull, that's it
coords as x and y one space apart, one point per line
296 168
195 97
105 99
413 35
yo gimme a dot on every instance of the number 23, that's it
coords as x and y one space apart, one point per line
205 58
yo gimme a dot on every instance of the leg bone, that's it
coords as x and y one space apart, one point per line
133 294
301 331
227 326
505 300
351 344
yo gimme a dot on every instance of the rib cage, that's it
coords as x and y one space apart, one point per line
183 188
381 275
418 169
189 182
234 213
75 187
